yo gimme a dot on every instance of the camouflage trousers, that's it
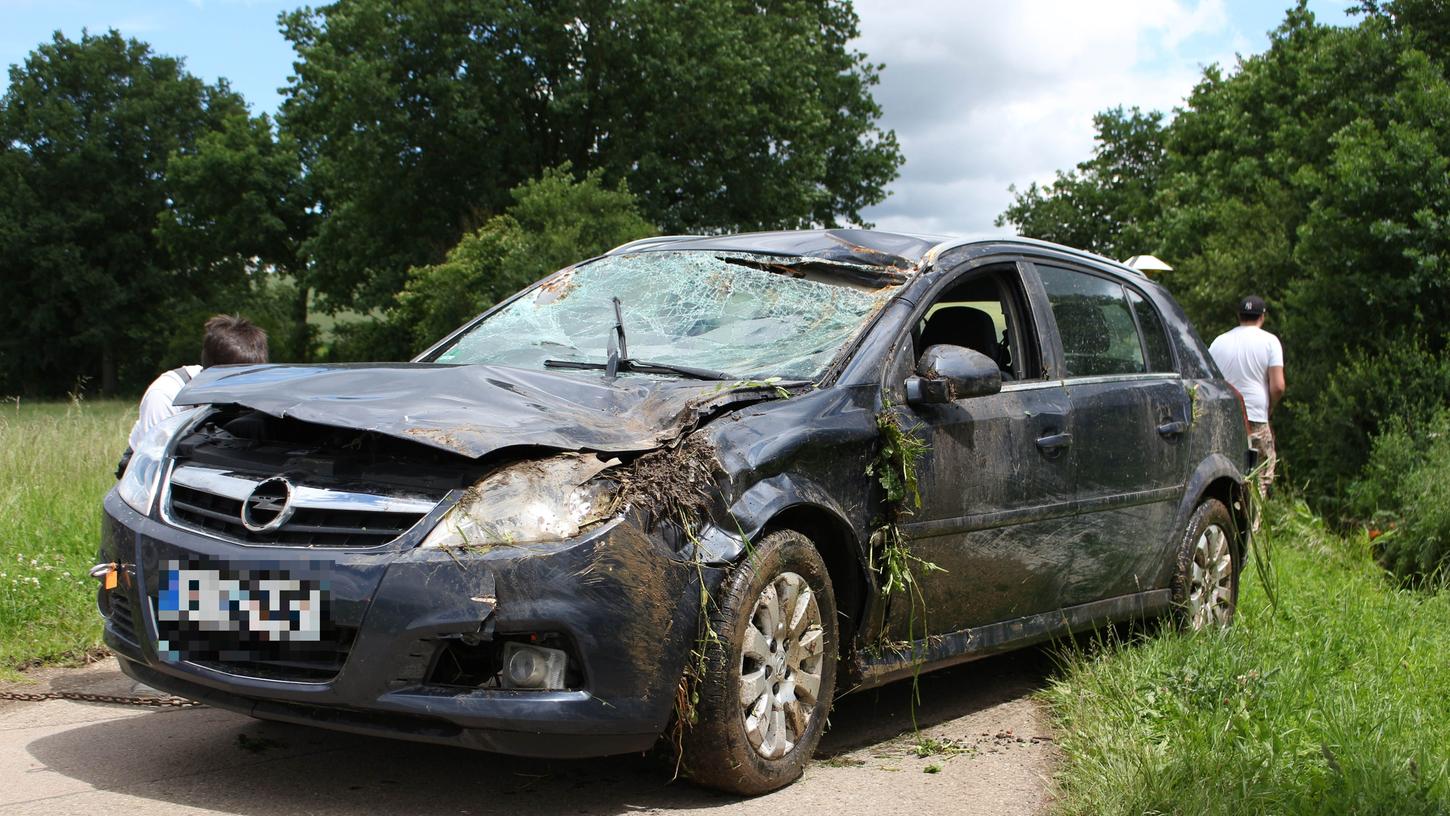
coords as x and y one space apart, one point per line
1261 439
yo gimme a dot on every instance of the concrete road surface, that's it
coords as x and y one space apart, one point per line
988 743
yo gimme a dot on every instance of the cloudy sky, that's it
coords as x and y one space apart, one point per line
982 94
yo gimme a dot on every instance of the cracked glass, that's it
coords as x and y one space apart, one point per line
751 317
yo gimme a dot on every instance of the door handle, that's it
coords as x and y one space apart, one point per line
1054 443
1173 428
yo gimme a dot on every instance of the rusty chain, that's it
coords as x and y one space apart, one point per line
113 699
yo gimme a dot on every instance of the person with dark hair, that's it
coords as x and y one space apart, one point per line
1252 360
226 340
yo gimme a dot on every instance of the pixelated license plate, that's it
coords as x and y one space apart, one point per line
226 613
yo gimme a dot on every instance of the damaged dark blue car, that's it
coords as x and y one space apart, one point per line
695 487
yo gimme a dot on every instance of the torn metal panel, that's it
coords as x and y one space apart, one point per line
865 247
470 410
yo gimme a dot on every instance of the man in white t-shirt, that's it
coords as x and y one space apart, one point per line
1252 360
227 340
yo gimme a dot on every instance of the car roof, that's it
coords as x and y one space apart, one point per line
879 248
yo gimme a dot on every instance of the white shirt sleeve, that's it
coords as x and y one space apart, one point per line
1276 352
157 405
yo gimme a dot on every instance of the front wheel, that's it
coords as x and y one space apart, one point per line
1206 581
769 670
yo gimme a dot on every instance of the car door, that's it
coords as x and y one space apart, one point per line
1131 412
995 480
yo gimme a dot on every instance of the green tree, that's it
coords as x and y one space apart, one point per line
1106 204
553 221
417 117
240 208
86 128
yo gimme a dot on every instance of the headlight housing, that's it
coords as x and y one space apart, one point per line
529 502
143 473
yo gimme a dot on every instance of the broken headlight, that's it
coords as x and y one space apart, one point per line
540 500
143 473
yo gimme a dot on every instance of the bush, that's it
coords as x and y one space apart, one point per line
1325 436
1405 490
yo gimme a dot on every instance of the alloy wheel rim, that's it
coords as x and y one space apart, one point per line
1210 583
780 666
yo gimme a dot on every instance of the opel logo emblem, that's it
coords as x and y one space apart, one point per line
269 506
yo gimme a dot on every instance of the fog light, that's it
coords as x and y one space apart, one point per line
533 667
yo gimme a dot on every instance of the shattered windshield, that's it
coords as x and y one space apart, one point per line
747 316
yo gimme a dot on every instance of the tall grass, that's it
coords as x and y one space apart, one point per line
1335 701
56 462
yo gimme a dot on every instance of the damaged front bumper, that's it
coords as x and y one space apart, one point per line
618 600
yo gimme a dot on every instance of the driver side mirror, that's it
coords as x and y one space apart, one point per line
949 373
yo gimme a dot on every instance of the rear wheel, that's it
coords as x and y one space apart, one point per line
770 672
1206 582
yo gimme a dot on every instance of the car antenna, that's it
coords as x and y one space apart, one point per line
618 347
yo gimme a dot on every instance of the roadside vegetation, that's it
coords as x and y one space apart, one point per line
56 462
1334 701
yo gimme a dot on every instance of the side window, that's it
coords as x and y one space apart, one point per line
1155 340
1098 333
981 312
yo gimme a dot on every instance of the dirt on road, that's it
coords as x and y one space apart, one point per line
984 746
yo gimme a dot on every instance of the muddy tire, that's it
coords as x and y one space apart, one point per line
1206 575
770 672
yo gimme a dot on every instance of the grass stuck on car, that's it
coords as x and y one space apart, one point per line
690 490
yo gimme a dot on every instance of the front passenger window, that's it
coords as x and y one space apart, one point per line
978 314
1095 323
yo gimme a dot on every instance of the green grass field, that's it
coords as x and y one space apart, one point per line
56 462
1335 701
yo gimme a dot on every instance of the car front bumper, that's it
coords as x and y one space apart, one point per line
626 603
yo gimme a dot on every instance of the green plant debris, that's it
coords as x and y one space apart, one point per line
931 746
772 383
895 470
891 558
895 463
1195 409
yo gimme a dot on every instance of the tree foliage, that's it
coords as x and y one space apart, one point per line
416 117
1316 174
240 208
86 129
553 221
1105 205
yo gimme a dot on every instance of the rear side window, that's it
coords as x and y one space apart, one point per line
1099 336
1155 341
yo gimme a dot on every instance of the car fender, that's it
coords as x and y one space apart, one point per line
1214 467
768 500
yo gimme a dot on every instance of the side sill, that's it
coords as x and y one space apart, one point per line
939 652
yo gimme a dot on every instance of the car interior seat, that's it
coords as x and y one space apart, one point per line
964 326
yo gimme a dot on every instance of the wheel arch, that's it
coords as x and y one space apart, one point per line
836 542
1216 477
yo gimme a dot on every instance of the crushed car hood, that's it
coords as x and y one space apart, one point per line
473 410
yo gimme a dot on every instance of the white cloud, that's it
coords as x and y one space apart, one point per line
987 94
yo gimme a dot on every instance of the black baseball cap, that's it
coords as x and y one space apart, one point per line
1251 306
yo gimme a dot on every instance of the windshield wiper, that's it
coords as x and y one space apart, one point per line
633 366
619 359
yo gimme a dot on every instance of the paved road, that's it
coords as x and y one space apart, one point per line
60 757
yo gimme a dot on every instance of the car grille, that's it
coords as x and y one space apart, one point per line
312 666
211 500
